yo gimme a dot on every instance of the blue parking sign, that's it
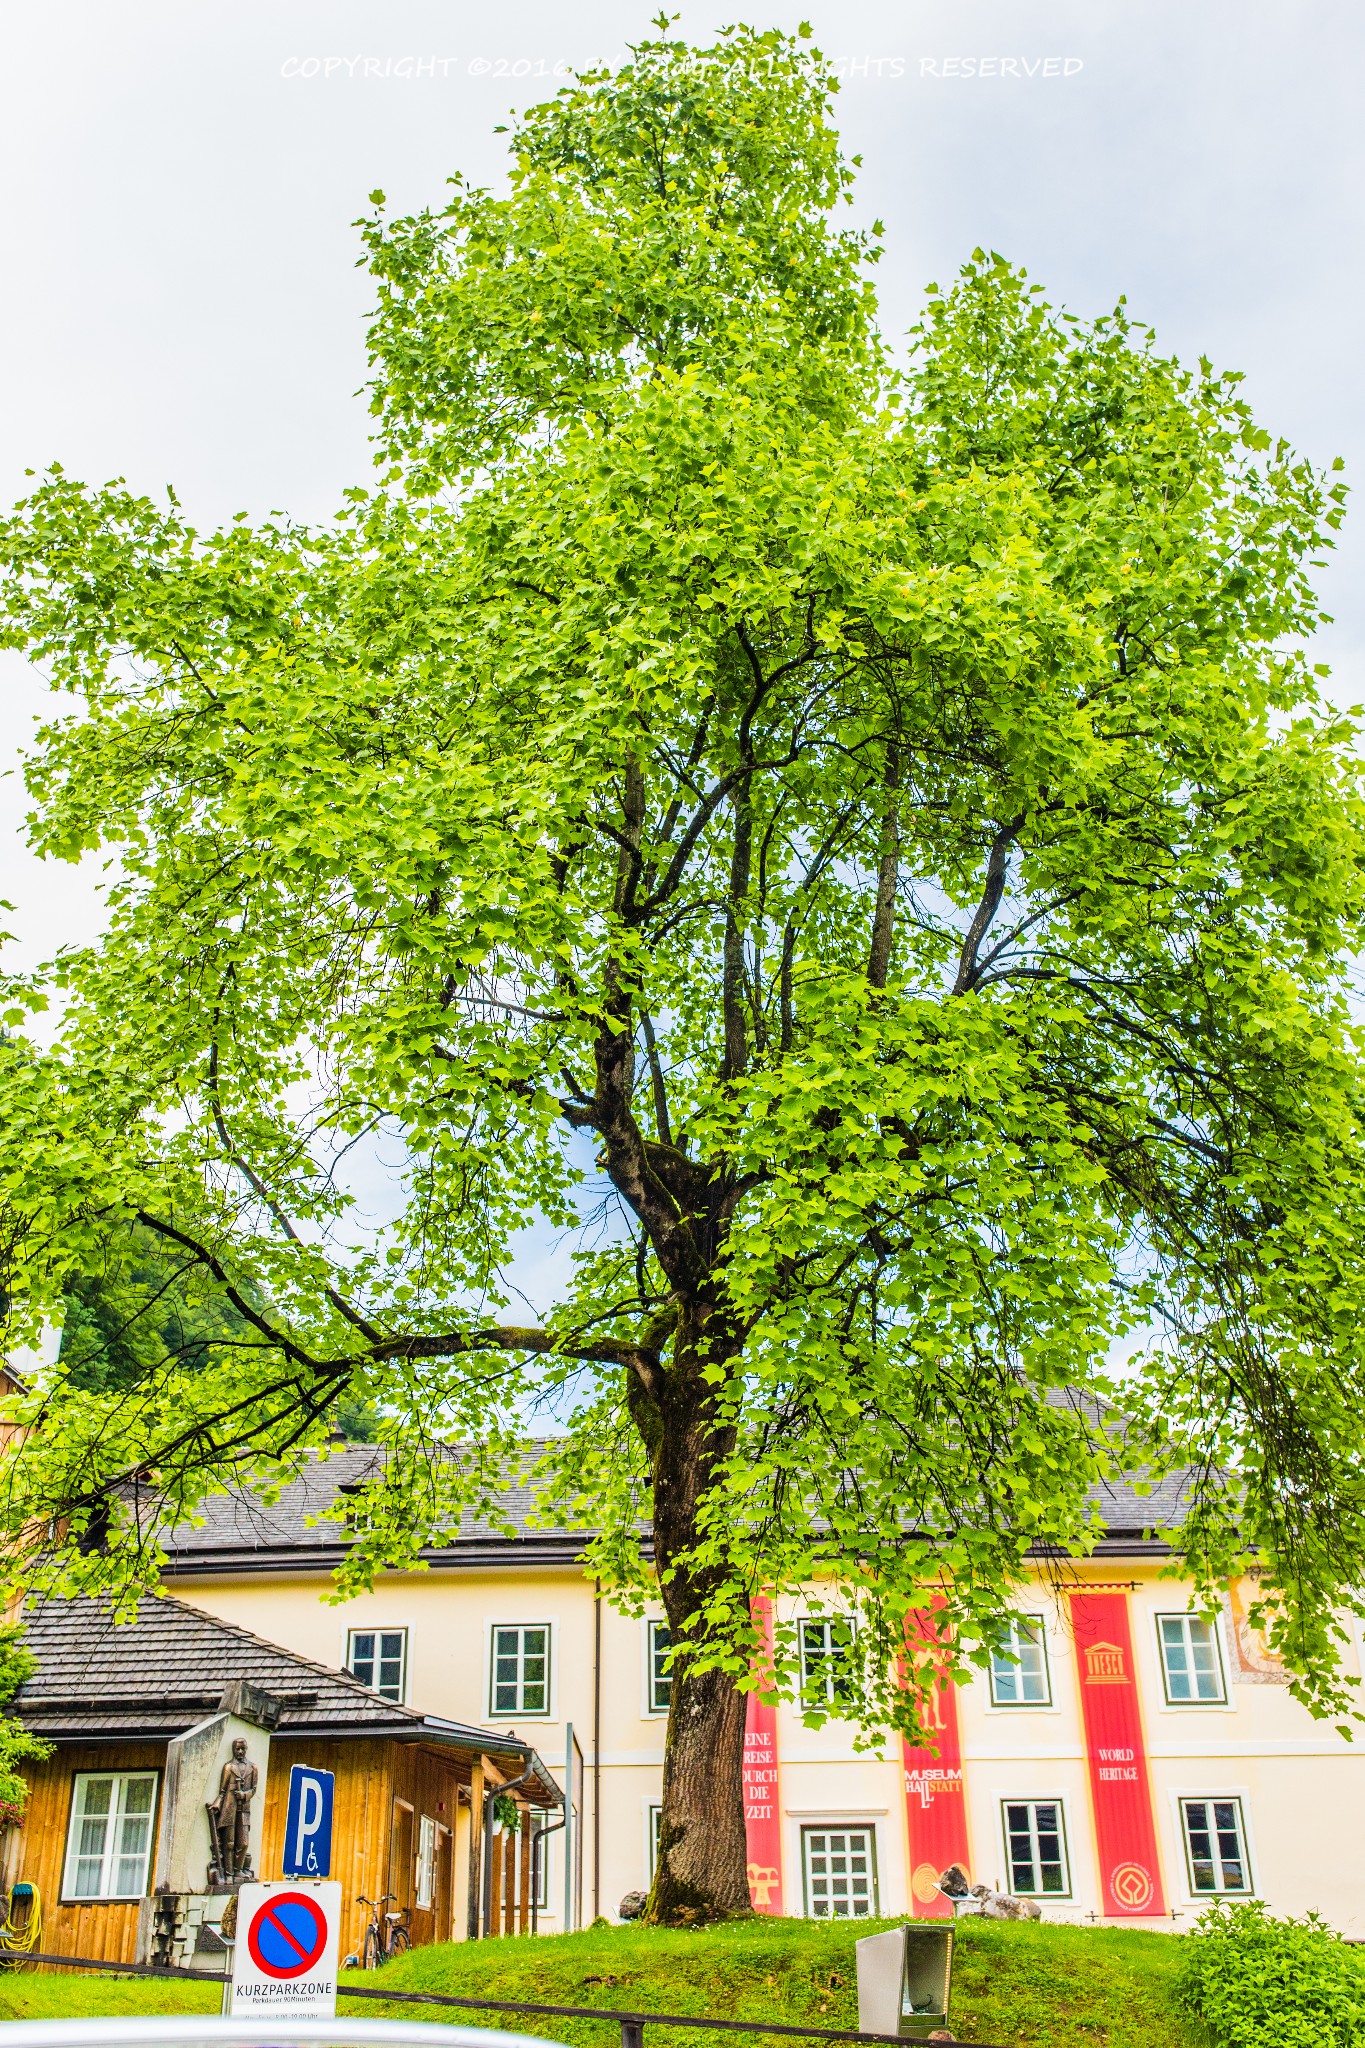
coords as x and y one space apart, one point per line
308 1826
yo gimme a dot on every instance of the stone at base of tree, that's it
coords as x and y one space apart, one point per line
633 1905
1004 1906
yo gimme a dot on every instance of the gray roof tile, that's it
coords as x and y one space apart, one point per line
240 1533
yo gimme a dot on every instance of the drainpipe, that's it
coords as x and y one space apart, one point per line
556 1827
596 1748
493 1793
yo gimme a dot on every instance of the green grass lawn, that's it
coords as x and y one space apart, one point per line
63 1995
1026 1984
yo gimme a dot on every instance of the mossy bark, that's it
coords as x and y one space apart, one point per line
702 1870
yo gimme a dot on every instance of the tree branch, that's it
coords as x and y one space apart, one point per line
656 1075
339 1303
732 980
244 1308
888 870
452 1344
996 868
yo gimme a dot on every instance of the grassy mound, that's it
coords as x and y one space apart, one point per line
1068 1987
1028 1982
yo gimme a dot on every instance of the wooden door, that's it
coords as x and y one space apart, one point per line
445 1883
402 1849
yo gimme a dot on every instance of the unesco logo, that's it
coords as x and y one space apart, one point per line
1131 1884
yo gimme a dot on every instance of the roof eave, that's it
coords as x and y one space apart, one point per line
294 1560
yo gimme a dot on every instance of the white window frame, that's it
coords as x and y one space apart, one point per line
1211 1622
424 1891
654 1813
840 1827
651 1710
1032 1800
386 1628
109 1856
1039 1622
838 1709
545 1713
1183 1800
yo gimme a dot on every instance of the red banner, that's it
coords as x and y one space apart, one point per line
935 1806
1116 1756
762 1813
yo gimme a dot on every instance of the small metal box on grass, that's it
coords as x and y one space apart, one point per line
904 1980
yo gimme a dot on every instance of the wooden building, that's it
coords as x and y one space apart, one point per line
411 1793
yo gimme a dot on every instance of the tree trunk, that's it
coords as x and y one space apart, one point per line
702 1870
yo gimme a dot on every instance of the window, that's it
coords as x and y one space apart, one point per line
658 1679
521 1670
840 1866
378 1657
1035 1848
825 1647
656 1814
109 1845
1019 1674
1190 1662
1215 1845
538 1819
426 1862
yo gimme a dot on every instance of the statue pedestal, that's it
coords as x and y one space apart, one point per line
182 1930
182 1900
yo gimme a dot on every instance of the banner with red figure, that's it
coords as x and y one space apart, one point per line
762 1813
1116 1757
935 1805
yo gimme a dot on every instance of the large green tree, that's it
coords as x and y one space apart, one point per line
850 837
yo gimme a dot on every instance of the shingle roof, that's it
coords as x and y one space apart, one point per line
158 1675
240 1533
1130 1515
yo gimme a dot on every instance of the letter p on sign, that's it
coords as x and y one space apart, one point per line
308 1824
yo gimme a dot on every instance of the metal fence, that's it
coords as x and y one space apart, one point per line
631 2024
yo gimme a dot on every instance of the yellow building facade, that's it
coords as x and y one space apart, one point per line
1247 1794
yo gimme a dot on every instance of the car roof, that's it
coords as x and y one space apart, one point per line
200 2030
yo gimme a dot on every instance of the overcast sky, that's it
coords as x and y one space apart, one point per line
181 302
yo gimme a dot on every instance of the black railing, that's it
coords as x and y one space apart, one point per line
632 2024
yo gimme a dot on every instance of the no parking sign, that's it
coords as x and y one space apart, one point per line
284 1960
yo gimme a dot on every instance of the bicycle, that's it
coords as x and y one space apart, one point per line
387 1934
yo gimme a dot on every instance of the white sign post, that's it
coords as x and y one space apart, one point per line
284 1960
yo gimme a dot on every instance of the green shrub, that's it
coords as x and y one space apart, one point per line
1258 1982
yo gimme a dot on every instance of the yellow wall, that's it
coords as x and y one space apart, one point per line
1302 1789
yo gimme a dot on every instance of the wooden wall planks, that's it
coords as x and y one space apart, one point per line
103 1928
373 1775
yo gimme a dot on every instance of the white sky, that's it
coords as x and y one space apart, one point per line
181 302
